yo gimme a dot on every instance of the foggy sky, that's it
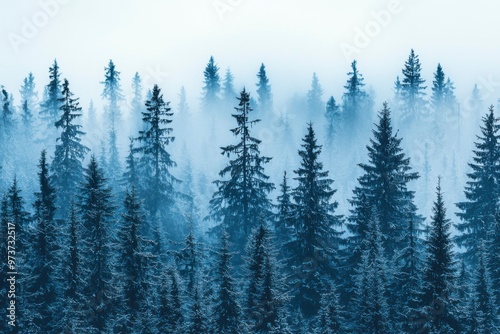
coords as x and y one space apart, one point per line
169 42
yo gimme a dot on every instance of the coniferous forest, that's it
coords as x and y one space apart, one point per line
337 215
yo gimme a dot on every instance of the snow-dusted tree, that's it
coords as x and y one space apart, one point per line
315 103
211 88
264 295
197 322
331 317
132 276
412 89
478 212
372 313
66 166
242 199
41 264
437 302
226 316
29 100
136 105
189 260
130 176
155 161
96 206
384 188
50 106
265 102
313 248
284 218
356 103
438 89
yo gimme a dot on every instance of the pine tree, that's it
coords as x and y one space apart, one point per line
264 296
264 91
356 103
155 161
486 313
41 265
189 261
314 96
478 212
50 106
315 241
284 217
439 278
136 105
332 116
412 89
494 260
112 94
133 275
438 89
95 202
72 276
130 176
331 317
198 321
228 88
242 199
27 117
372 314
211 90
70 152
226 311
183 107
384 188
28 92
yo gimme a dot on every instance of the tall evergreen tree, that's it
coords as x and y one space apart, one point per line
97 209
198 320
315 239
384 188
412 89
439 277
41 265
242 199
70 152
438 89
356 103
371 313
50 106
130 176
133 277
28 92
183 107
155 161
228 88
211 88
284 217
136 105
265 103
478 212
331 317
314 97
226 311
332 116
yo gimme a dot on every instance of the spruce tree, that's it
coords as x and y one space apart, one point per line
226 311
136 105
155 161
265 102
42 263
67 164
438 89
28 92
356 103
284 217
372 312
331 317
198 321
211 88
183 107
130 176
439 276
478 212
412 89
228 88
383 187
242 199
133 277
96 206
315 240
50 106
264 289
314 97
332 116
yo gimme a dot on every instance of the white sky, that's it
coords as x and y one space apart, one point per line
293 38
